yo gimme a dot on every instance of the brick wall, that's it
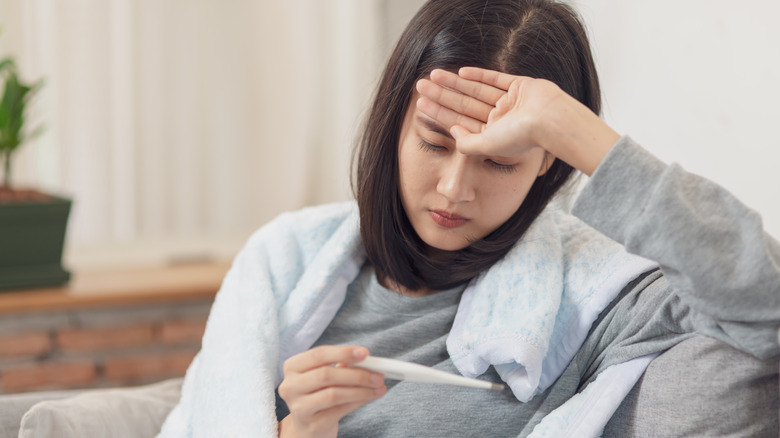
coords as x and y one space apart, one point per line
104 347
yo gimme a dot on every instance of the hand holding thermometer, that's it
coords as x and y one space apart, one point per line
412 372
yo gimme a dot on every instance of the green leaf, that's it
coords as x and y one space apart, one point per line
12 110
6 63
16 95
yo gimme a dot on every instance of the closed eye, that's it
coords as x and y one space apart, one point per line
506 168
424 145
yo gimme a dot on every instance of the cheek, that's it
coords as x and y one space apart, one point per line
414 173
503 199
406 176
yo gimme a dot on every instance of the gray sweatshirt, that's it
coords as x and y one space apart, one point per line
719 277
712 249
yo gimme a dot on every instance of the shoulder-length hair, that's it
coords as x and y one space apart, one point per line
536 38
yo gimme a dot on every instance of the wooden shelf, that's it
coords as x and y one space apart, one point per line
120 288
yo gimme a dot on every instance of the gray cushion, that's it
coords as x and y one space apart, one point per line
106 413
702 388
13 407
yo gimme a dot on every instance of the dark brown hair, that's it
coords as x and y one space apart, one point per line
537 38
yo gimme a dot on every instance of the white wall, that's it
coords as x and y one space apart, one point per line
697 82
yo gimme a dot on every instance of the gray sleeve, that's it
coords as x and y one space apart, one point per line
712 248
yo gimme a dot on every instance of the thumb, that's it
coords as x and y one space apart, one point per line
458 132
465 140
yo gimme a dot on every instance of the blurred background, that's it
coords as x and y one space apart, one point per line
178 127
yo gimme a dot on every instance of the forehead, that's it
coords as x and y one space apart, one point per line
432 125
415 118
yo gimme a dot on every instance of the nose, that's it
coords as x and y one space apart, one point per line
455 180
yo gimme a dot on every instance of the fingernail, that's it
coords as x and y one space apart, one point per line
359 353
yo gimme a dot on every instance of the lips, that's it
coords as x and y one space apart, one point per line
446 219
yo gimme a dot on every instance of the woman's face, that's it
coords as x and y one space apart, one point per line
453 199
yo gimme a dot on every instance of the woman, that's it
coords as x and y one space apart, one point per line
451 258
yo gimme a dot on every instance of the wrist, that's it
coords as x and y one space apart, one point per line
577 136
289 428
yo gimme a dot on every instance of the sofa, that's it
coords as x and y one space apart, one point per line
698 388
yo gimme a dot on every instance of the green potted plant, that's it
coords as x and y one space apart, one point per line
32 223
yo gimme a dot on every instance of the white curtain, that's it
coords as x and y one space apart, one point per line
178 126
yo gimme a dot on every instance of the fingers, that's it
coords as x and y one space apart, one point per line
468 99
312 405
447 117
319 388
494 113
479 90
324 355
314 370
328 376
490 77
454 100
340 411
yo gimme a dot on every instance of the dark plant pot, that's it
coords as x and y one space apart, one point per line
32 235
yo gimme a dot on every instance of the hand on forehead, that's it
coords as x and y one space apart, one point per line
466 98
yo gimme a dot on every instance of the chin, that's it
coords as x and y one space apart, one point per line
449 244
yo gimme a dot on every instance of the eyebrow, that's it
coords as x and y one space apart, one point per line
435 127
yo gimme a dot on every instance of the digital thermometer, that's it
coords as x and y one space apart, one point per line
412 372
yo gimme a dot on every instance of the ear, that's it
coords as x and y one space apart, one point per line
547 163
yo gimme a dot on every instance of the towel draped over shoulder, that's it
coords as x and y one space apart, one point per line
527 316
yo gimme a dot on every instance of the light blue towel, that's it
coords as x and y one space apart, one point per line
527 315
